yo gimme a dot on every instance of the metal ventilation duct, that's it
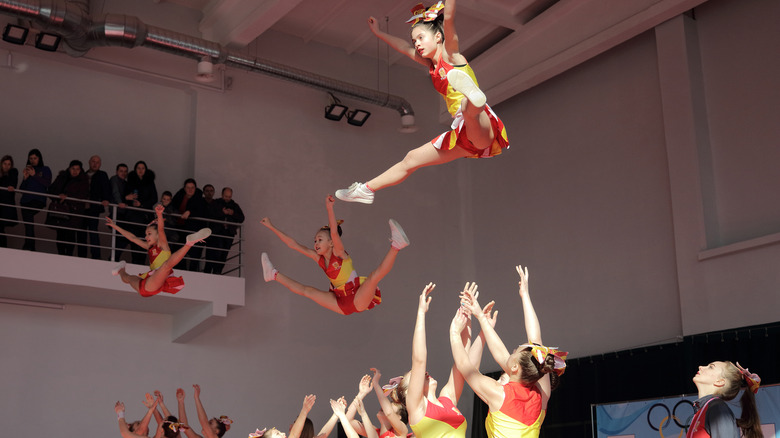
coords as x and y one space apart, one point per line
72 21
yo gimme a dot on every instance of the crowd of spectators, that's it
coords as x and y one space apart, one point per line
134 194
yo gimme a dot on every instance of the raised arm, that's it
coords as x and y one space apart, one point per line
128 235
364 387
297 427
415 404
368 427
532 328
162 241
454 386
338 246
183 415
488 333
328 426
151 406
203 419
485 387
451 44
399 427
339 407
119 408
400 45
289 241
160 402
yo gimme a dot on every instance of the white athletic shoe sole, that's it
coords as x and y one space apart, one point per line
397 235
199 235
268 267
118 268
463 83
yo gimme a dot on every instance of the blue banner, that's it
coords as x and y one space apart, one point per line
670 416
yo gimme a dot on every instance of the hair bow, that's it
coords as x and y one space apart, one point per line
420 13
258 433
752 379
226 421
392 384
174 426
540 352
327 227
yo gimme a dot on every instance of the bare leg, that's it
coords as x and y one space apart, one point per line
156 279
477 123
425 155
365 292
324 299
132 280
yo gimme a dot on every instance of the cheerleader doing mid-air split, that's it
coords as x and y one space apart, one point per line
348 292
476 132
161 262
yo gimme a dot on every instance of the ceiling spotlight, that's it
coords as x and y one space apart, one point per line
47 41
205 70
407 124
335 111
15 34
357 117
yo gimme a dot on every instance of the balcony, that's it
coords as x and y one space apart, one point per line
44 278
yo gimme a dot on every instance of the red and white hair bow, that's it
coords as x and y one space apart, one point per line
540 352
420 13
392 384
752 379
258 433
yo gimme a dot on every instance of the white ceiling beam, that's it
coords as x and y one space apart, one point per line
568 34
236 23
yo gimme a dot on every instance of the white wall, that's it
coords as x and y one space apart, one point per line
585 197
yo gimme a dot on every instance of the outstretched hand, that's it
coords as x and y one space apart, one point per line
329 201
373 24
196 387
425 300
149 401
119 407
491 318
365 386
308 402
377 377
158 395
468 298
339 406
180 394
267 222
110 223
159 209
523 283
459 321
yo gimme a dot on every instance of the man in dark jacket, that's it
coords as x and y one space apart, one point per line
189 203
99 191
218 245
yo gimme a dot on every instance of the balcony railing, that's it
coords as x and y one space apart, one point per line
46 233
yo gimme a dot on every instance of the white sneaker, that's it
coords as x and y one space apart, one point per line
397 235
269 273
198 236
462 83
118 268
357 192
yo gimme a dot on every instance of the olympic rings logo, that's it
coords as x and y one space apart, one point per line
665 421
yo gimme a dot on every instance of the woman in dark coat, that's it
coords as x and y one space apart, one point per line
36 177
72 182
9 178
141 193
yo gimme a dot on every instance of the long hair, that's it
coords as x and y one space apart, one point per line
749 422
37 153
6 158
